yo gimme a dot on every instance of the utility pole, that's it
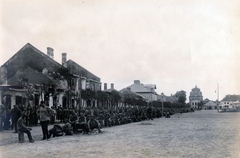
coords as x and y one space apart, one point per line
162 102
218 97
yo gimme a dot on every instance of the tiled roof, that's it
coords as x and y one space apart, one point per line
30 76
127 91
165 98
172 99
141 88
153 86
29 56
231 98
75 68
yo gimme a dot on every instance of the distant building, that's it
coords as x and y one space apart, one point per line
230 101
210 105
147 90
164 98
195 97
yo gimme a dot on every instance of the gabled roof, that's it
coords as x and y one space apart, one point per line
29 56
231 98
31 76
128 91
210 102
151 86
75 68
141 88
172 99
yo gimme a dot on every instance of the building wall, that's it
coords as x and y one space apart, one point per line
228 104
195 97
149 96
10 98
210 105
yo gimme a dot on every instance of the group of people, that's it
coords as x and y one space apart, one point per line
83 120
9 117
20 119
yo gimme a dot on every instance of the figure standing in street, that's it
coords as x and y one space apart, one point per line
16 114
7 119
2 116
44 113
149 113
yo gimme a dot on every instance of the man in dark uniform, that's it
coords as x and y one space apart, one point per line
72 120
2 116
16 114
149 113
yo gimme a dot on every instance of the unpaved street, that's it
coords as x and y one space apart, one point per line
202 134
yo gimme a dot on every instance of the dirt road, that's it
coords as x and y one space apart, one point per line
203 134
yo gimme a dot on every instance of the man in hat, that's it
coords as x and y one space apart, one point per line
22 128
44 113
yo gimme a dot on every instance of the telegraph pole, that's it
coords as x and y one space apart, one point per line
218 97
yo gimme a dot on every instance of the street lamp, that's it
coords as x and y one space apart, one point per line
162 102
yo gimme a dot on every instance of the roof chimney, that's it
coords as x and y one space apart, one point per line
136 81
112 86
105 86
50 52
64 58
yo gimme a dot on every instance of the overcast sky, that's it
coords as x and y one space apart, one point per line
175 44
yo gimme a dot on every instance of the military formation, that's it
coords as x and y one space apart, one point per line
84 120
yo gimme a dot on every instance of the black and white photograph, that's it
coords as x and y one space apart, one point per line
120 78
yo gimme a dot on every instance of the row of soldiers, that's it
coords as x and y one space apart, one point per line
105 116
117 115
86 119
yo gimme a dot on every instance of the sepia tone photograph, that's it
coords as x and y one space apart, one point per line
119 78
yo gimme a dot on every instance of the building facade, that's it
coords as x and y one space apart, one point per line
147 90
31 76
210 105
195 97
82 80
230 102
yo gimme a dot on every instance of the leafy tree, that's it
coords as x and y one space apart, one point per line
181 95
128 98
141 102
102 97
115 97
88 94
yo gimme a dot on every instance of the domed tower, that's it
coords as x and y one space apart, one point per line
195 97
